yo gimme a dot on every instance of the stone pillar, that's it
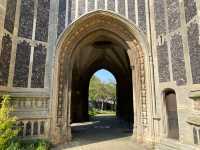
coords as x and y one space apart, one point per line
53 23
134 104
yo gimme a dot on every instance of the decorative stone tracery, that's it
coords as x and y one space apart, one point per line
99 20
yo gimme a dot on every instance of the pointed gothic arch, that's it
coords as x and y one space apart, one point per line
138 52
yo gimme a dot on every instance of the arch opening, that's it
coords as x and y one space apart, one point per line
102 94
102 40
103 52
171 114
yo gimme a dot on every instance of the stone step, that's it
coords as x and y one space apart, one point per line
168 144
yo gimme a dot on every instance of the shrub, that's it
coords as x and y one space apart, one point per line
8 129
93 112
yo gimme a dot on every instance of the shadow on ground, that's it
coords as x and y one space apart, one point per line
101 130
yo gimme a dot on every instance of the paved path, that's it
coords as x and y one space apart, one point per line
102 133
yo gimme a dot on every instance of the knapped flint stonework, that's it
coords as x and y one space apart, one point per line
91 4
111 5
38 71
22 65
72 7
5 56
163 62
173 11
142 15
194 48
61 16
42 22
178 62
131 10
101 4
81 8
190 9
33 64
26 19
10 15
121 7
160 24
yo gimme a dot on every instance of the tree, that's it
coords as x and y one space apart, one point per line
111 88
95 84
7 124
102 92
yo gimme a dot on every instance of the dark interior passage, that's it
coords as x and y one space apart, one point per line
92 54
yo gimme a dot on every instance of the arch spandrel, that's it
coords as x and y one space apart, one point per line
96 21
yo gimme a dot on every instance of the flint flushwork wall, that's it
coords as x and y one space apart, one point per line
28 28
174 52
131 9
23 53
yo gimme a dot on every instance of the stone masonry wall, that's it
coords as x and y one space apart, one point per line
177 23
24 28
134 10
176 49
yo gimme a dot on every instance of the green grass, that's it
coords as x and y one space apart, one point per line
94 112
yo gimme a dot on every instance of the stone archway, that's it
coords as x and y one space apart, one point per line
140 64
100 49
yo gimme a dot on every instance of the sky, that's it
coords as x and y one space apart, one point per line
105 76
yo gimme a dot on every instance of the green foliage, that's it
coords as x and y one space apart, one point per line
8 131
7 124
95 84
29 145
101 91
93 112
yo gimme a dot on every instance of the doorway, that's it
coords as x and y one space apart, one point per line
171 114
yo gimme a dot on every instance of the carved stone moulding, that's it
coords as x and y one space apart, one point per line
114 26
20 103
33 128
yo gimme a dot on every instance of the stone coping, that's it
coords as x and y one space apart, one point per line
195 120
195 95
